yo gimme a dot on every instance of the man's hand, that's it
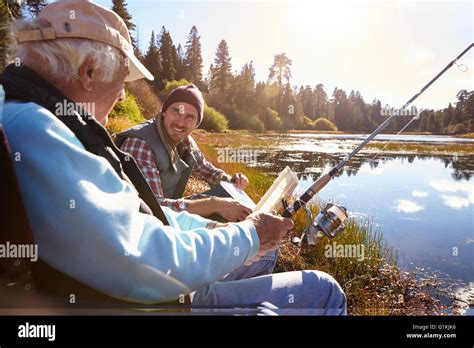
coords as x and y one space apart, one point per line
231 210
270 229
240 181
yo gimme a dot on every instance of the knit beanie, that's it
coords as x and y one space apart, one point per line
186 94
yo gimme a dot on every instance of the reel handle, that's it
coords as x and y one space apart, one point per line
306 197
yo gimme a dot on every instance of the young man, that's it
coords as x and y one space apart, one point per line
167 155
94 219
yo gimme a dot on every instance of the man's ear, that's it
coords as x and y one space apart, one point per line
87 74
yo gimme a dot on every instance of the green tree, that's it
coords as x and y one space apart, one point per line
180 63
120 8
468 106
447 116
341 109
222 71
272 119
168 55
320 101
244 91
280 70
4 37
266 95
153 63
213 120
9 9
14 8
34 7
193 58
324 124
375 110
290 109
128 108
359 117
170 85
208 79
307 100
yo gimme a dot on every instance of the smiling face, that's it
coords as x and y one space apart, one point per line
180 119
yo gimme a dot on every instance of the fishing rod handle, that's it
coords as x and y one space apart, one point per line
306 197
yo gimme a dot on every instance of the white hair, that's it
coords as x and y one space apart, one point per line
65 56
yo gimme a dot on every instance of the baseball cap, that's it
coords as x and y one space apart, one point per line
84 19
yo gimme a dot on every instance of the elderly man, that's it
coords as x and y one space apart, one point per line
94 218
167 155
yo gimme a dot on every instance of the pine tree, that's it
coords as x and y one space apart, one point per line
244 91
222 70
180 63
469 107
208 78
375 111
120 8
4 37
341 109
152 62
193 57
320 101
307 100
168 55
14 8
280 70
9 9
34 7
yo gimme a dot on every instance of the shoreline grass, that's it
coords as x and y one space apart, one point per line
373 286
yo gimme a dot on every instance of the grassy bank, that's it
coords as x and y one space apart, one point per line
373 285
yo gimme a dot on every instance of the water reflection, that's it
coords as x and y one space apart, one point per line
405 206
422 203
313 164
464 193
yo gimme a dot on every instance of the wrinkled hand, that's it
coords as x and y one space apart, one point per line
270 229
231 210
240 181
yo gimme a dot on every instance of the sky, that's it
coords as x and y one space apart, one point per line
385 49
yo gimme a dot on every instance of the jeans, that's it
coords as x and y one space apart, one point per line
254 290
289 293
262 267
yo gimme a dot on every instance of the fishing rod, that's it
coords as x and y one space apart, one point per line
330 220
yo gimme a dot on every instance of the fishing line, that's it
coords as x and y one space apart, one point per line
461 67
330 220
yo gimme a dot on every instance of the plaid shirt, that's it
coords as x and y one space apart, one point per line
146 160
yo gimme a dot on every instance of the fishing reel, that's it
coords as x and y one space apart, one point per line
329 222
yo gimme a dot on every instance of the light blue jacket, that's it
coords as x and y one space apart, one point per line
87 224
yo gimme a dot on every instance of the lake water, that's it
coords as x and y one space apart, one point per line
423 204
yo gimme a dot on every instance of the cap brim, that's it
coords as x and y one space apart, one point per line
136 69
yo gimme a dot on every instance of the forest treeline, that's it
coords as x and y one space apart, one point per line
236 100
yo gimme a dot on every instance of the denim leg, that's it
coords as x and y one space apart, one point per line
263 266
292 293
